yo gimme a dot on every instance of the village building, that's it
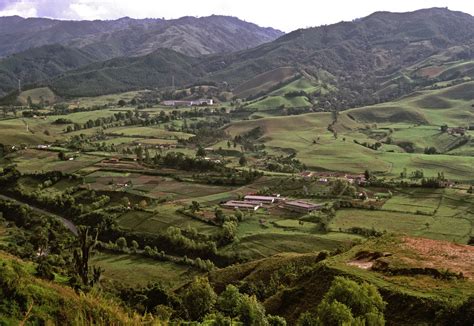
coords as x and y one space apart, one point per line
111 160
357 178
263 199
188 103
243 205
457 130
301 206
307 174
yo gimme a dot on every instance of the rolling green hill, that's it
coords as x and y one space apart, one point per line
404 128
122 74
40 64
301 280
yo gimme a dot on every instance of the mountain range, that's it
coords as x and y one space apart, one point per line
358 58
131 37
37 49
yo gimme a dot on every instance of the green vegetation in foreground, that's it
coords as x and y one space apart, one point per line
296 284
27 299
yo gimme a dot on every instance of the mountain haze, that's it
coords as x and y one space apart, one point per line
37 49
131 37
40 63
357 57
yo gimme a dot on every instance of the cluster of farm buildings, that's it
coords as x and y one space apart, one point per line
324 177
199 102
255 202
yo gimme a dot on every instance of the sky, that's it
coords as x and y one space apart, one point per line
281 14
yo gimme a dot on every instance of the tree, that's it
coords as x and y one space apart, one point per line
147 156
347 302
367 175
44 269
86 244
139 153
200 152
430 150
276 320
229 230
121 243
219 216
195 206
306 319
62 156
252 312
199 299
242 160
229 301
334 313
125 201
121 103
217 319
134 246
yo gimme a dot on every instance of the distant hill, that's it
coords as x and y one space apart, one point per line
132 37
122 74
366 60
360 54
37 49
40 64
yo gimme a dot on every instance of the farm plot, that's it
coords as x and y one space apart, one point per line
36 160
415 201
136 271
442 228
266 244
148 132
162 219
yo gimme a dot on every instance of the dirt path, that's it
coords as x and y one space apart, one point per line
67 223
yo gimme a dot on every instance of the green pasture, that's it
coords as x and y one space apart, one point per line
29 161
159 220
434 227
110 99
148 132
273 102
136 271
37 95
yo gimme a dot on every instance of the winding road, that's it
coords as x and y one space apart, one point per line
67 223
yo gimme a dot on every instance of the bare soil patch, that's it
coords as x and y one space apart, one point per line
441 255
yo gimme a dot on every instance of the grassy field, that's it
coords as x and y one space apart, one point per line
273 102
32 160
148 132
412 119
136 271
37 95
408 215
103 100
160 220
302 84
264 82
